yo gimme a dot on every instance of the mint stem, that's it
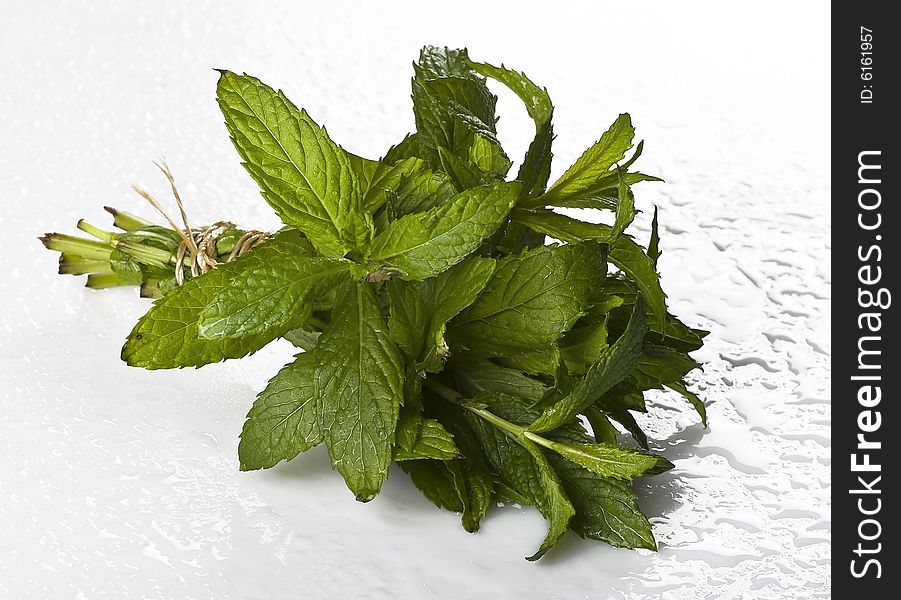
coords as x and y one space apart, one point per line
453 396
126 221
102 235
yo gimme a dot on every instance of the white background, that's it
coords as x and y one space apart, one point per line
122 483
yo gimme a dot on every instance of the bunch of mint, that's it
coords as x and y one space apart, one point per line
439 329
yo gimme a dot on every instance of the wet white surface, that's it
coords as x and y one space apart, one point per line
121 483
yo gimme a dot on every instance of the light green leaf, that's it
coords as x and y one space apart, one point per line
364 169
596 161
603 429
424 244
625 208
489 157
462 171
604 193
535 362
272 292
307 178
531 300
283 421
613 366
303 338
359 390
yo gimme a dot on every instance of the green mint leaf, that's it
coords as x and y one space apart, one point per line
359 390
583 346
168 336
474 472
602 459
631 259
677 335
536 166
364 169
449 112
625 208
283 421
659 365
523 466
432 441
531 300
422 191
596 161
307 178
562 227
603 429
654 243
272 292
606 509
420 310
388 177
441 61
603 193
462 171
476 376
534 362
615 408
692 398
489 157
302 338
441 485
613 366
424 244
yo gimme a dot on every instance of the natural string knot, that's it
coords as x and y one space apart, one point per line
198 245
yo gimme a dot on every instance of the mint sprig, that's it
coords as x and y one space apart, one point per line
438 326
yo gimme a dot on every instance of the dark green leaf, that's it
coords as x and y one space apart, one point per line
523 466
437 483
654 243
421 310
612 367
432 441
692 398
606 509
531 300
631 259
